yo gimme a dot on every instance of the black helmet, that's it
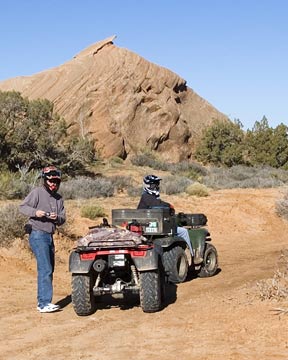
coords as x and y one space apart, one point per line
151 184
52 178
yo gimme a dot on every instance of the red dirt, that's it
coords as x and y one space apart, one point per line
218 318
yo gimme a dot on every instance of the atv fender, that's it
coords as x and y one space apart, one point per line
198 239
78 266
198 235
167 241
150 260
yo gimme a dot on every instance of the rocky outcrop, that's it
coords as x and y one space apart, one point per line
126 103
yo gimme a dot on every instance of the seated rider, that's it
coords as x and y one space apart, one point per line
151 198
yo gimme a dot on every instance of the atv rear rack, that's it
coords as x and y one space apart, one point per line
112 243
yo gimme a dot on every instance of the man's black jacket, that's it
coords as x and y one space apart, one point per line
148 201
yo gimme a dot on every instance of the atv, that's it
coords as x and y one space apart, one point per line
112 260
138 254
159 225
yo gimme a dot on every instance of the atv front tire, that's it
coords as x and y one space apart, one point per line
176 264
82 296
209 266
150 291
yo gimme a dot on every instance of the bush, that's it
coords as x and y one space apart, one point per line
197 189
11 224
17 185
175 184
86 188
282 207
188 169
32 135
150 160
244 177
277 287
115 160
134 191
92 212
120 183
222 144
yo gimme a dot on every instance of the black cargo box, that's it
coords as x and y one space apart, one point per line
154 221
191 219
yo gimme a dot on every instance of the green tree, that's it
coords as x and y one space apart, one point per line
222 144
279 147
267 146
32 136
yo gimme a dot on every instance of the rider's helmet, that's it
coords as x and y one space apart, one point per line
151 184
52 178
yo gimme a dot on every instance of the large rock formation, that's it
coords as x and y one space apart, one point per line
123 101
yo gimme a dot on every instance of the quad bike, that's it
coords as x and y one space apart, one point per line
109 260
159 225
138 254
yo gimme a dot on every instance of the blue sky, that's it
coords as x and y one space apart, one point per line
232 53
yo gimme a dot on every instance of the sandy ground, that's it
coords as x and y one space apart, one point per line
214 318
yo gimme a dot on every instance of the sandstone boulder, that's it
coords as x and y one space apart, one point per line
126 103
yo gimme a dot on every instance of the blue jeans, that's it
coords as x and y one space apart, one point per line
42 246
181 231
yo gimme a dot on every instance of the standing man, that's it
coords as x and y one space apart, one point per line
45 208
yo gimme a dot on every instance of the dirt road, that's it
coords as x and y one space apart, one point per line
218 318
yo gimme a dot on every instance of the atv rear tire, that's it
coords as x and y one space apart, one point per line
210 262
150 291
176 264
82 296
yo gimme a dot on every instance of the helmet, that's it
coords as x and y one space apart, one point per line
151 184
52 178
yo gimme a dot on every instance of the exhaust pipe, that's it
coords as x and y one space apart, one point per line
99 265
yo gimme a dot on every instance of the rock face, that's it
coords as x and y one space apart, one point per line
123 101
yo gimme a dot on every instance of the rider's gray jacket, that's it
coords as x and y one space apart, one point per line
40 199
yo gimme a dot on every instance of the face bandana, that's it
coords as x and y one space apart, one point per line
53 186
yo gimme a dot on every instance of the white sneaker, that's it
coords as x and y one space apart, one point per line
48 308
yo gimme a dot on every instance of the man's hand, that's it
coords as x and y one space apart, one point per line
49 215
40 213
53 216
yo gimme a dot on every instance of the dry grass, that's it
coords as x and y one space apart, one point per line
11 224
276 288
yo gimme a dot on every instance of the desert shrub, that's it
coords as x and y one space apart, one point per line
175 184
115 160
197 189
244 177
150 160
277 287
222 144
17 185
121 183
282 207
92 211
12 187
11 224
189 169
32 135
85 188
134 191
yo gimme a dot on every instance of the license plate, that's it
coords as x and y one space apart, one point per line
151 230
117 260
